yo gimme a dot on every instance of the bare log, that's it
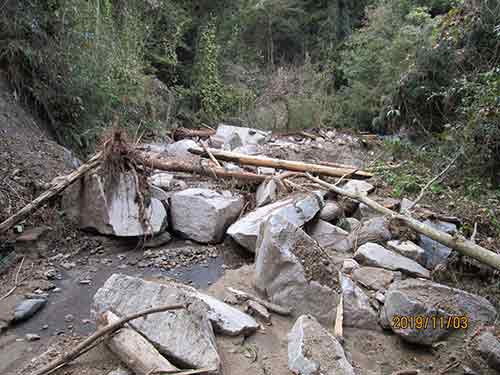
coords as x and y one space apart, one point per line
338 329
298 166
183 133
134 350
462 245
58 185
99 334
190 167
243 296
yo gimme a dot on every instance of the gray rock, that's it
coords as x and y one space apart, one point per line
373 278
436 253
358 311
112 211
203 215
365 212
267 192
157 241
185 336
371 254
349 265
298 210
294 272
234 136
312 350
162 180
489 347
231 167
256 309
326 234
266 171
349 224
248 150
120 371
358 186
27 308
435 303
32 337
405 204
332 211
373 230
181 148
409 250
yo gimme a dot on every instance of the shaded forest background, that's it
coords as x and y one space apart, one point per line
424 70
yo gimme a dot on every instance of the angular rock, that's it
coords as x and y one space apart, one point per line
234 136
113 210
294 272
159 194
267 192
409 250
326 234
298 210
266 171
349 265
436 303
249 150
120 371
349 224
358 186
332 211
371 254
373 278
226 319
256 309
436 253
405 204
358 311
373 230
203 215
365 212
181 148
312 350
184 336
162 180
489 347
27 308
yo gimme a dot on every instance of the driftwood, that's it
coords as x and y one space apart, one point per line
243 296
58 185
291 165
462 245
134 350
99 334
190 167
182 133
338 329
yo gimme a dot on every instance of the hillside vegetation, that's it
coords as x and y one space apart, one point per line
427 70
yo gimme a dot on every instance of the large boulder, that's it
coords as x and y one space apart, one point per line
293 271
358 311
184 336
423 312
235 136
111 207
409 250
326 234
373 230
374 255
312 350
435 252
204 215
332 211
297 210
373 277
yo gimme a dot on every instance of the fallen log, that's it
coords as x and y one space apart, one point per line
190 167
462 245
134 350
338 330
298 166
57 186
99 334
183 133
243 296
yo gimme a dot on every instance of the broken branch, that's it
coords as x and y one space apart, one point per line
243 296
58 185
81 348
462 245
298 166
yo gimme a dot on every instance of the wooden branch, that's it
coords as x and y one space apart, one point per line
183 133
338 330
422 192
243 296
462 245
210 155
80 348
190 167
58 185
298 166
16 281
